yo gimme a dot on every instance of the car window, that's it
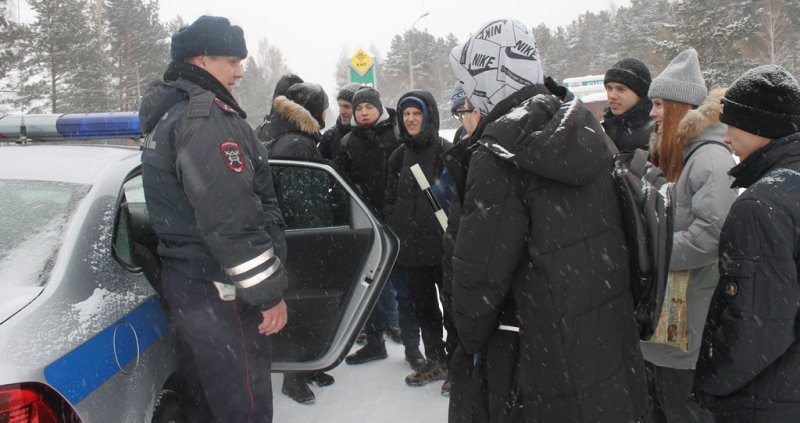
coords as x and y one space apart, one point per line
34 216
310 198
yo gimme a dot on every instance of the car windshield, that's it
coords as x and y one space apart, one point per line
33 218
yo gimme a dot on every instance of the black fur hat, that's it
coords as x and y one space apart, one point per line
631 73
208 35
764 101
312 97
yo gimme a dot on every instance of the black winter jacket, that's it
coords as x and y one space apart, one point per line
408 212
541 228
290 131
199 160
331 140
749 364
364 157
630 130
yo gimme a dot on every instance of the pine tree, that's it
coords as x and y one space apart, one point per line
60 71
252 92
138 45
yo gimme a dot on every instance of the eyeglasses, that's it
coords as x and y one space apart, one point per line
459 114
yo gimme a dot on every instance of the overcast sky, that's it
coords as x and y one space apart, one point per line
311 34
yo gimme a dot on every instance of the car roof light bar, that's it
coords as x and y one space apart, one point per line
70 126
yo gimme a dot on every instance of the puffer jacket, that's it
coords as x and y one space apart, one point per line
541 246
364 156
749 364
290 132
703 197
408 212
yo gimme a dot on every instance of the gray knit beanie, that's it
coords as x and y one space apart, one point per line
681 80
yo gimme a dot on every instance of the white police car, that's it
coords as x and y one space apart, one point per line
83 334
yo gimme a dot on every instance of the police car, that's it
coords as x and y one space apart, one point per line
83 334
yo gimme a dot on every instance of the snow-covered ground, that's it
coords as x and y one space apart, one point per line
371 392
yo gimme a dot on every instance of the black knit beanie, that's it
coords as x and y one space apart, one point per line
764 101
631 73
312 97
368 95
208 35
346 93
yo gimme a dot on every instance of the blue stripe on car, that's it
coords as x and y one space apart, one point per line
78 373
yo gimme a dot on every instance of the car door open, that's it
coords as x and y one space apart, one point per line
339 259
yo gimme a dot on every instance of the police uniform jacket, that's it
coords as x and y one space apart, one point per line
749 364
210 194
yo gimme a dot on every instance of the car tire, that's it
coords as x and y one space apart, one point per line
168 408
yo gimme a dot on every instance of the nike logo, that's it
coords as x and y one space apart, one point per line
514 55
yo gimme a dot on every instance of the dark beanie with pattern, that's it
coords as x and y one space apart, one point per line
368 95
346 93
764 101
631 73
208 35
312 97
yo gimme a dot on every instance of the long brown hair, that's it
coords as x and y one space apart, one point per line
670 147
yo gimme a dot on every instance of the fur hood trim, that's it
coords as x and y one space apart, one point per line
298 116
702 118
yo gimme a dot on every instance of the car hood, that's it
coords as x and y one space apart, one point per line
15 299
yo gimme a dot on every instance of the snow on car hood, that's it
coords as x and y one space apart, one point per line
15 299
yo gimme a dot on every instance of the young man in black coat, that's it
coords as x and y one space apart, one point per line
332 138
749 364
409 215
540 280
627 120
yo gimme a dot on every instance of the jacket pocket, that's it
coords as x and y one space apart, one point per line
736 281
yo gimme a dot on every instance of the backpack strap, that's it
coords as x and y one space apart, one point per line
686 160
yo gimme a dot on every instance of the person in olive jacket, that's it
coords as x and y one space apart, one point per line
749 364
410 216
541 295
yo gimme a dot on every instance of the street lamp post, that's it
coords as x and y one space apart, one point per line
410 61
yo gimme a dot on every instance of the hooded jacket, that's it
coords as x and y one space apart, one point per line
702 199
541 246
364 157
749 364
408 212
291 131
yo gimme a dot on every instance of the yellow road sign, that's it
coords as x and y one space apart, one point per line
361 62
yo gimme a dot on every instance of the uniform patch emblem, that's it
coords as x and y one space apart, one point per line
232 155
731 289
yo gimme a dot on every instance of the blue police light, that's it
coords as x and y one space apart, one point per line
98 125
70 126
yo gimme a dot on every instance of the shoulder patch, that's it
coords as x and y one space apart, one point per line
224 106
232 155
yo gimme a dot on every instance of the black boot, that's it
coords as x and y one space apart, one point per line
375 349
320 378
294 387
415 359
395 334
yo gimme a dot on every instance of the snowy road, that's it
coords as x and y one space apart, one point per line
371 392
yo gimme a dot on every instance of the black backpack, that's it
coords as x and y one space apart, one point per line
647 211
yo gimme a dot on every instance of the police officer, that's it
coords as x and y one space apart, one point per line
212 204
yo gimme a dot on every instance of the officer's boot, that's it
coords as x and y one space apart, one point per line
294 387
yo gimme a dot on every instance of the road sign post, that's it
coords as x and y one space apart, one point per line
362 68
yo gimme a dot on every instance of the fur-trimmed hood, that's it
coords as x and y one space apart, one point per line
296 115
